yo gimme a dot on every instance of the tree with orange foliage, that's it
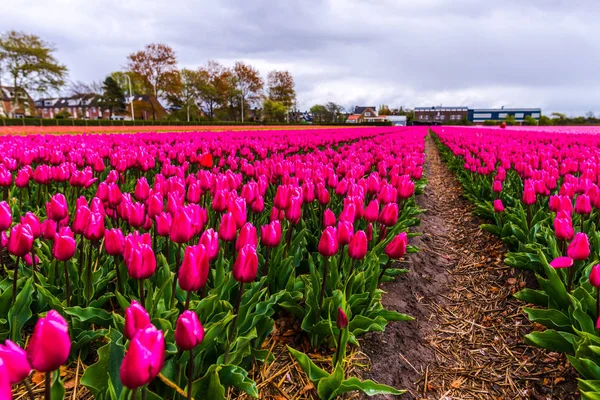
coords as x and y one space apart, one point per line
249 84
281 87
156 65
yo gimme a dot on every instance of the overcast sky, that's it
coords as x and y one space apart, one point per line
478 53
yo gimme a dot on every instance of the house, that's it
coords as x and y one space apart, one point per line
439 115
364 114
480 115
94 106
84 106
9 108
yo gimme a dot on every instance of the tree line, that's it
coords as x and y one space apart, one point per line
212 91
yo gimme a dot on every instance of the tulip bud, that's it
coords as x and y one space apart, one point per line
345 232
95 229
136 318
563 228
210 240
328 218
50 343
142 189
357 249
20 241
82 219
579 248
498 206
529 195
406 189
194 270
114 242
583 206
397 247
497 186
389 214
57 207
595 276
5 216
189 332
245 267
270 234
155 205
237 207
49 229
228 228
64 246
372 211
342 319
247 236
34 223
144 358
561 262
16 363
5 390
141 263
182 229
328 244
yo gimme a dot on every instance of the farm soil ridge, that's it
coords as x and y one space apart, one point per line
466 341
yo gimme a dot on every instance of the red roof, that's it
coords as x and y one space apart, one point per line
353 117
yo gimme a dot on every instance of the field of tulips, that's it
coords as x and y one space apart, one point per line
160 261
541 191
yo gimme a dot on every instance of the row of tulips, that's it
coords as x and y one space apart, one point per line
541 190
172 254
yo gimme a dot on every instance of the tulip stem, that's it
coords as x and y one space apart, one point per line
571 274
15 277
48 385
597 303
232 332
29 389
177 260
188 297
35 280
323 283
67 284
88 289
134 394
382 273
339 348
190 374
142 294
118 269
144 393
80 263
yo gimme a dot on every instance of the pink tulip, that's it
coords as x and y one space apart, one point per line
5 216
15 359
579 248
357 249
210 240
245 267
136 318
50 343
189 332
194 270
182 230
270 234
20 241
228 228
114 242
144 358
397 247
328 244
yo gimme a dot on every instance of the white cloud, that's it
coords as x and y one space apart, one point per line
397 52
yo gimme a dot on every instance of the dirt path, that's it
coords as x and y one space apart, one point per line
467 338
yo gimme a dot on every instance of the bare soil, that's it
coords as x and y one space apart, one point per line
466 341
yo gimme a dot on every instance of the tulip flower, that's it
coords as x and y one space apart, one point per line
144 359
182 229
34 223
15 359
194 270
328 218
189 332
227 228
579 248
5 216
395 250
357 248
57 207
136 318
387 218
247 236
345 231
50 345
497 186
563 229
372 211
583 205
142 189
498 206
5 390
114 242
49 229
270 234
237 208
245 267
94 230
595 282
82 219
210 240
20 241
163 224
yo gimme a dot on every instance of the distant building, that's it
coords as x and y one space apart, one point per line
396 120
363 114
25 107
480 115
439 115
